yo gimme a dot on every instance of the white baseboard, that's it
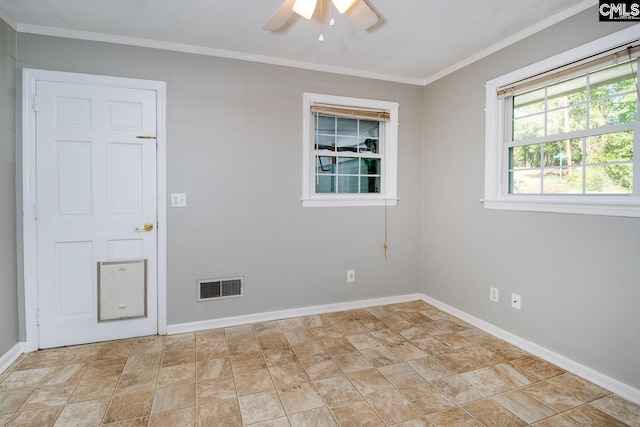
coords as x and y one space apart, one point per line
621 389
10 356
624 390
285 314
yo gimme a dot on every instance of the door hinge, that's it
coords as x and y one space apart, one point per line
35 103
38 315
35 211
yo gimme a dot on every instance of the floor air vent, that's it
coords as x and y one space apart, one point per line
219 288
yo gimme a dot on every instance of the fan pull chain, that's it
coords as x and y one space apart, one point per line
321 38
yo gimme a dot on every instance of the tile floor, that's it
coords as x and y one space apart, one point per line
404 364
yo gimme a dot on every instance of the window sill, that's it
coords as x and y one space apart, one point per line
605 205
336 201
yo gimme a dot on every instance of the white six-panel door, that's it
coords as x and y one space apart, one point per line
96 188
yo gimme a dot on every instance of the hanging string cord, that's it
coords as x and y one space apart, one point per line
317 148
386 245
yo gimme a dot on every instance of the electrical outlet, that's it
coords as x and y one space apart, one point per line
494 294
516 301
351 276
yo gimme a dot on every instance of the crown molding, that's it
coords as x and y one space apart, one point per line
208 51
9 19
270 60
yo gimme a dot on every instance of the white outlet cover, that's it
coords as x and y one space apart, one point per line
494 294
351 276
516 301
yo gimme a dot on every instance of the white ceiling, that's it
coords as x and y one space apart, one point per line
417 41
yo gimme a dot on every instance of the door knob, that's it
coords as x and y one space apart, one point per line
146 227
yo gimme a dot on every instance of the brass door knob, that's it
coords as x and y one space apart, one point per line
147 227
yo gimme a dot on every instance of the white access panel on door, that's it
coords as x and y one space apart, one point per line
122 289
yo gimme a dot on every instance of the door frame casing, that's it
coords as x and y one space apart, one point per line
30 77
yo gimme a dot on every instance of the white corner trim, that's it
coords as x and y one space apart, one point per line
10 356
286 314
9 19
624 390
552 20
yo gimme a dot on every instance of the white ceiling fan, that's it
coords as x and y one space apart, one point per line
359 11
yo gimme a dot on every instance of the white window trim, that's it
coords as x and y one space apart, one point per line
389 136
495 190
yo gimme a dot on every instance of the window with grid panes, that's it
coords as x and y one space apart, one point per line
575 136
348 157
350 151
564 140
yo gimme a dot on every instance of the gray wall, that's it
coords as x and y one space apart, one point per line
578 275
234 146
8 267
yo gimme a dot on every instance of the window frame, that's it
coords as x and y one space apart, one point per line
388 137
496 191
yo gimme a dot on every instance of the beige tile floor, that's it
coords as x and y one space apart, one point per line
404 364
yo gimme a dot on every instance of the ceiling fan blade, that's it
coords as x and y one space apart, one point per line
343 5
305 8
282 15
363 16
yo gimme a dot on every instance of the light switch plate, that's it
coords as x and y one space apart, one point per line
178 200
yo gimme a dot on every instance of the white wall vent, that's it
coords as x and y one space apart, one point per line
209 289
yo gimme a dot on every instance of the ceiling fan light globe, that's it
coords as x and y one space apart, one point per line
305 8
343 5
